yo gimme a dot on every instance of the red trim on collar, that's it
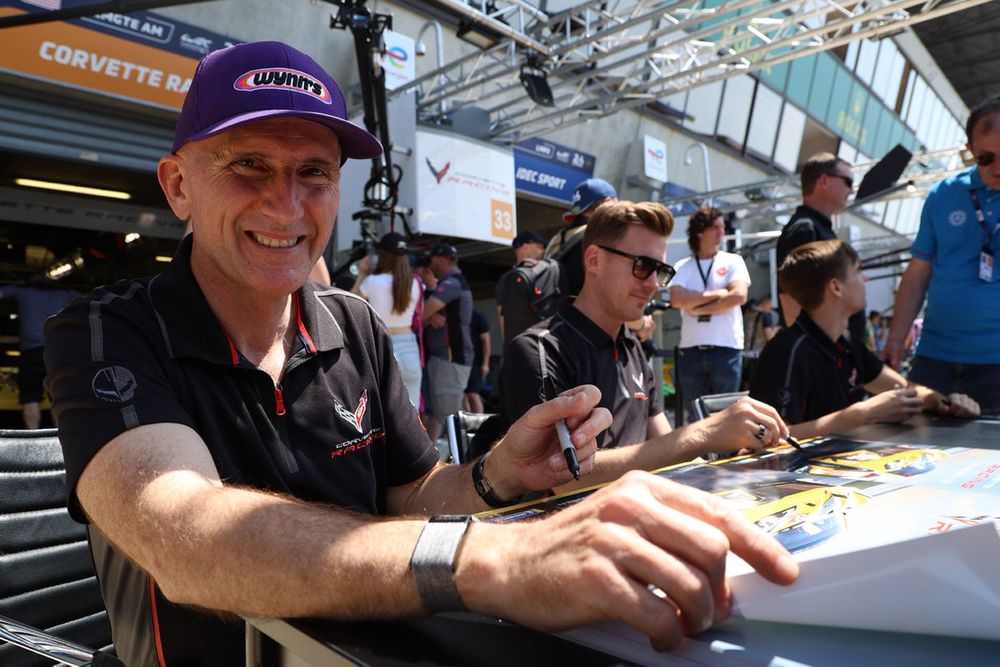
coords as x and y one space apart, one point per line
158 642
306 338
233 353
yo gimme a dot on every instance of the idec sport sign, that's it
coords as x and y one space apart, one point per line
140 56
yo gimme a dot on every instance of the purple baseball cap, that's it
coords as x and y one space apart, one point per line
258 80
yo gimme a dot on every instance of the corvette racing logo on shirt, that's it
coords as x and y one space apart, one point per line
282 78
114 384
353 418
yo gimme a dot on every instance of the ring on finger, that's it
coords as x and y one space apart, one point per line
759 433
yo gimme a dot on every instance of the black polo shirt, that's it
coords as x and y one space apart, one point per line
338 429
807 225
805 375
577 351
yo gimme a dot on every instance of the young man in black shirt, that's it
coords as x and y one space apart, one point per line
816 378
588 341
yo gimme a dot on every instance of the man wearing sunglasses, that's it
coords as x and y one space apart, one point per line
827 183
954 266
588 342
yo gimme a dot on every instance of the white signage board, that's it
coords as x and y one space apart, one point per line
398 60
654 158
465 188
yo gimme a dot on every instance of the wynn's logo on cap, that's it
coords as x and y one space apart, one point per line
281 78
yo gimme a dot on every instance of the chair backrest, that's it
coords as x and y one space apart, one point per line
46 572
462 429
709 404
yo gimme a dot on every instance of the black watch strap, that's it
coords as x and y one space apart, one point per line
433 562
484 488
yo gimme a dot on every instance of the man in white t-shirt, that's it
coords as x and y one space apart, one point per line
709 288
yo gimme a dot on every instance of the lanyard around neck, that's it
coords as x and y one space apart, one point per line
708 273
981 217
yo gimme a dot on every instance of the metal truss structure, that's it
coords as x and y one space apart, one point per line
604 56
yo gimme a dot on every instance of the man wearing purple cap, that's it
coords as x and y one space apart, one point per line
230 431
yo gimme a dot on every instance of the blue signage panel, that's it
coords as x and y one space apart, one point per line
549 169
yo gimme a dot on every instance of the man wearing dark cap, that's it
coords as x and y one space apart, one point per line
513 313
565 246
231 431
448 337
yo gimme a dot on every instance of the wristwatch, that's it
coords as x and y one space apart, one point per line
485 489
433 562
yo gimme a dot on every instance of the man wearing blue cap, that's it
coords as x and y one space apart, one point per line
565 246
231 431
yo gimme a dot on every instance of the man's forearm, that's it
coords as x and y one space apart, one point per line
720 305
610 464
832 423
291 558
448 489
909 299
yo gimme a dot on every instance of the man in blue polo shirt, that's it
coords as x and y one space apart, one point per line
954 266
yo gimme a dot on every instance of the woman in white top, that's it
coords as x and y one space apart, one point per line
395 294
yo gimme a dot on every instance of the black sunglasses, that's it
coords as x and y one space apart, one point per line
847 179
985 159
643 267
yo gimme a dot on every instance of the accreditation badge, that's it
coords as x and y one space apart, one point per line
986 265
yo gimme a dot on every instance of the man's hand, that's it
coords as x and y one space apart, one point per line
485 370
956 405
599 559
737 427
892 354
528 457
895 405
437 320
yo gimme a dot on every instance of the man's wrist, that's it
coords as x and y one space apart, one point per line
434 560
491 485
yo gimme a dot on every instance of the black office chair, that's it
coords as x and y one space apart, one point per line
709 404
470 434
46 573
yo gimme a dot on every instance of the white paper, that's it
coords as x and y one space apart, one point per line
944 584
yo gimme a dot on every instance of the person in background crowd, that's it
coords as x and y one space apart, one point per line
954 265
814 377
529 247
422 272
202 449
36 302
565 246
395 294
827 184
761 326
709 289
479 327
448 311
